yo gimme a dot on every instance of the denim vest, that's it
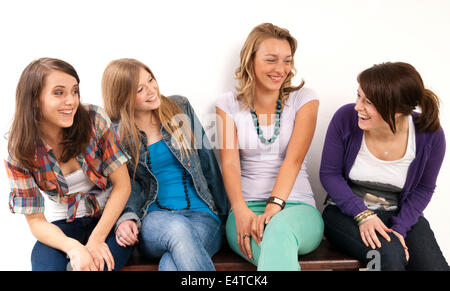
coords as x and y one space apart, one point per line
201 165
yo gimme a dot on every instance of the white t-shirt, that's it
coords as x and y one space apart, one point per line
369 168
260 163
77 182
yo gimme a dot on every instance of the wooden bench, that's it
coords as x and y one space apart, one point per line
325 257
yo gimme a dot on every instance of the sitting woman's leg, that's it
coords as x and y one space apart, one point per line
45 258
424 251
343 232
297 229
189 239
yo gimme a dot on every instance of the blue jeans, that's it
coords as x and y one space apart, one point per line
184 240
424 252
45 258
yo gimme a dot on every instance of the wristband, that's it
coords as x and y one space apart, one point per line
276 200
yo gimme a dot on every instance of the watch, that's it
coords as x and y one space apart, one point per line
276 200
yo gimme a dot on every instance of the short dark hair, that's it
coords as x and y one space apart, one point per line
398 88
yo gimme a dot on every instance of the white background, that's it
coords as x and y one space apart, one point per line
193 49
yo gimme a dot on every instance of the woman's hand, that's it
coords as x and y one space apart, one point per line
260 222
367 231
127 233
402 241
101 254
244 219
369 237
81 259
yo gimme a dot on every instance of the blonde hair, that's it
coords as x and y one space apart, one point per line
245 73
119 89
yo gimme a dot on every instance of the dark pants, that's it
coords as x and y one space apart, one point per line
424 252
45 258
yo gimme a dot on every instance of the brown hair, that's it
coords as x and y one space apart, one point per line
398 88
245 73
119 89
24 135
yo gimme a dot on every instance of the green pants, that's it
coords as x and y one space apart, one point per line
296 230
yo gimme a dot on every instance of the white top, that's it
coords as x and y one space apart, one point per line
77 182
369 168
260 163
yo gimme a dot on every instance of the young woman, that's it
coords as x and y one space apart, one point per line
178 199
265 130
379 166
71 153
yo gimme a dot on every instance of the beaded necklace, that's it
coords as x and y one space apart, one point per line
277 125
149 164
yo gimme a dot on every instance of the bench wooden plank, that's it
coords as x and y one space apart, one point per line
325 257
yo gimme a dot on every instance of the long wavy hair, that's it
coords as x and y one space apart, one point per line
398 88
23 136
245 72
119 89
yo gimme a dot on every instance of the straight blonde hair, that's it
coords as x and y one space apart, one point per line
245 73
119 89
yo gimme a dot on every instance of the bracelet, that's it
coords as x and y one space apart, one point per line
366 218
277 201
363 215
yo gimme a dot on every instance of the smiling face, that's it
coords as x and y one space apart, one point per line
58 101
368 116
272 64
147 97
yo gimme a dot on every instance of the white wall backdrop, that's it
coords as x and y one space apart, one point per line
193 49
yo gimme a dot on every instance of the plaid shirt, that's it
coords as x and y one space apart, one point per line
103 155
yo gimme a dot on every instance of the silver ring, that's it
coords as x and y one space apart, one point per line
246 235
119 235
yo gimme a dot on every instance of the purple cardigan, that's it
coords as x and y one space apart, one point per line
342 144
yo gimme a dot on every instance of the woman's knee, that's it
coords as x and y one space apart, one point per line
303 222
392 254
178 231
166 227
45 258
